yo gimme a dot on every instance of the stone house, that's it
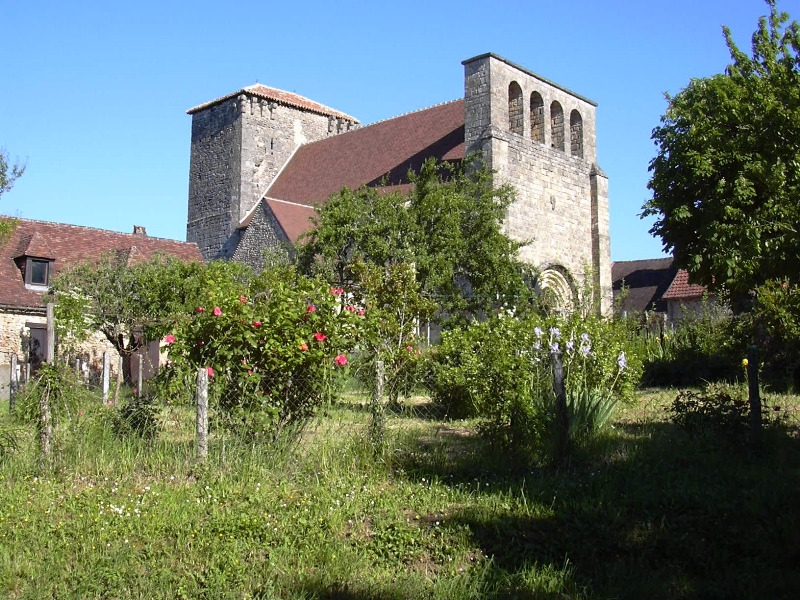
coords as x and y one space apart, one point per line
262 159
32 255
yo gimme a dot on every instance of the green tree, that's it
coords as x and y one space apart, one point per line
9 172
137 303
449 228
726 177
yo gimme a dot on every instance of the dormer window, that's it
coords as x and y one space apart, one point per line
37 272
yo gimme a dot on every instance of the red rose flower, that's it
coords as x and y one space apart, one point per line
320 337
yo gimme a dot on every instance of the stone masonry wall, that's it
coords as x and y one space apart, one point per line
238 148
13 340
561 207
214 182
271 133
263 234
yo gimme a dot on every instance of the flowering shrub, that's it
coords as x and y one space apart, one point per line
272 350
500 370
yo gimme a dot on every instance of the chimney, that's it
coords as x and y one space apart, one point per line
139 230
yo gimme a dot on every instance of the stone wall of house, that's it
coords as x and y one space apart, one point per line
561 206
14 336
238 148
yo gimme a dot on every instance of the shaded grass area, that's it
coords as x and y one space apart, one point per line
645 511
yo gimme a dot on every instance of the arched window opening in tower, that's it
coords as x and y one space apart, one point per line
516 117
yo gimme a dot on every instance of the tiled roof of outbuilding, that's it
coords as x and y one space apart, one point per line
69 245
680 288
645 282
288 98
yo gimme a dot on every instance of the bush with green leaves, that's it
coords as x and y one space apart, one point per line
775 323
273 350
62 386
719 410
500 370
703 346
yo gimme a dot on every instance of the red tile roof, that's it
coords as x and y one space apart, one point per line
69 245
366 156
294 218
288 98
680 288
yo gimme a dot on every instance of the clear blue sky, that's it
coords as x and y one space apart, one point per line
94 94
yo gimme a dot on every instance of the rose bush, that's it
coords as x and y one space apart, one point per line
273 348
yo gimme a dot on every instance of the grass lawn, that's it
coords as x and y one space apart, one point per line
645 512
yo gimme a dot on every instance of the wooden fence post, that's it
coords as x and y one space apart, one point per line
754 396
378 425
13 383
45 422
51 335
106 375
141 375
202 414
562 413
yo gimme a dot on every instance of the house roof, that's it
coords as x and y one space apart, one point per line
72 244
645 282
650 283
288 98
385 150
681 289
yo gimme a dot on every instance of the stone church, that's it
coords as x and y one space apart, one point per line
262 159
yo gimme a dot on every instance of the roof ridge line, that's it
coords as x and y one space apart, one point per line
411 112
139 237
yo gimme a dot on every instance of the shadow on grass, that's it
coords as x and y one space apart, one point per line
644 512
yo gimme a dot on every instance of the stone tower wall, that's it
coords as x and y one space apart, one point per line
214 178
238 147
561 206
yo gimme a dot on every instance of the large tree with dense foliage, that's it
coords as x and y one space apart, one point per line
449 227
726 179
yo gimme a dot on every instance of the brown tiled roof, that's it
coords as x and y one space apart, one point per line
35 246
294 218
681 289
385 150
288 98
69 245
645 280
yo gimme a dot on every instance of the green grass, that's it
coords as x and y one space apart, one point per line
643 512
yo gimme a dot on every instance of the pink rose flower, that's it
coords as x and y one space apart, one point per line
340 360
337 291
217 311
243 299
311 308
200 309
170 339
361 312
320 337
210 371
409 348
256 323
